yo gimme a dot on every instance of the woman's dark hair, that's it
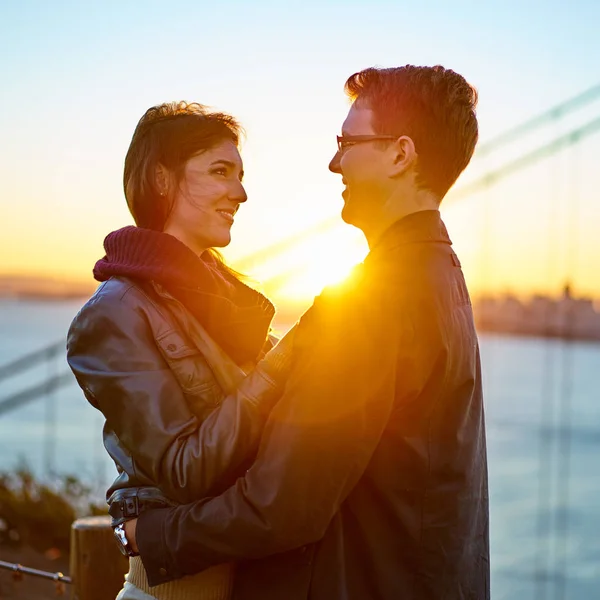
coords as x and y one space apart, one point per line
169 135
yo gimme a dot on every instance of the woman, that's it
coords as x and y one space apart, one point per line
163 345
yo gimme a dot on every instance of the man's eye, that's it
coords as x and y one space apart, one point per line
220 171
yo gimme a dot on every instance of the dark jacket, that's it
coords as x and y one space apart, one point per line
172 430
371 477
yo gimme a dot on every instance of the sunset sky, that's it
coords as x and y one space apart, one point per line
77 76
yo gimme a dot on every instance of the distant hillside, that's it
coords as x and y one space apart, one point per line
43 288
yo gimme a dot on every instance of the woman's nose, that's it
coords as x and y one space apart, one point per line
239 194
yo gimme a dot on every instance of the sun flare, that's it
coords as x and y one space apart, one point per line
303 271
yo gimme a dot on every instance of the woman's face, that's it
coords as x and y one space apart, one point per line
207 198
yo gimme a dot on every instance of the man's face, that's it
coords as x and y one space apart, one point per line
364 170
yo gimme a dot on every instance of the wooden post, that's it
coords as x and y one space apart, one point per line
97 566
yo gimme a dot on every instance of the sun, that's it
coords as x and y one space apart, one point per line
326 269
301 272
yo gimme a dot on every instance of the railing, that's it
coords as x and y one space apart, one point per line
34 391
97 567
19 570
25 363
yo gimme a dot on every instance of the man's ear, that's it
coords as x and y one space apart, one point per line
161 179
404 155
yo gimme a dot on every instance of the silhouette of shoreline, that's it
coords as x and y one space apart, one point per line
565 317
26 287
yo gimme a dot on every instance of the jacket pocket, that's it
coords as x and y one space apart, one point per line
191 370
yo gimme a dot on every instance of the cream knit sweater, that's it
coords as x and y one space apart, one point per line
215 583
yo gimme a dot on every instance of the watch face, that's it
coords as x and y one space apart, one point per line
121 539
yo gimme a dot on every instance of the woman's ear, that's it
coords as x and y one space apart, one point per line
404 155
161 179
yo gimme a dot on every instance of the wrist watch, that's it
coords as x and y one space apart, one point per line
124 545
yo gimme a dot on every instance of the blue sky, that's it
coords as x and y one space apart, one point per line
76 77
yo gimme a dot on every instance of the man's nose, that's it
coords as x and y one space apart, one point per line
334 165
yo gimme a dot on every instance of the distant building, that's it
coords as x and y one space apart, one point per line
565 317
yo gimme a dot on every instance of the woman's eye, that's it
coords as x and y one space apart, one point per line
220 171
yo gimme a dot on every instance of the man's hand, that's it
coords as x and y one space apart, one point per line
130 527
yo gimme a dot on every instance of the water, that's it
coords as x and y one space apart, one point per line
543 422
59 432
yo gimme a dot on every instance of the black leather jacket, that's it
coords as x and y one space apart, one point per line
371 477
177 426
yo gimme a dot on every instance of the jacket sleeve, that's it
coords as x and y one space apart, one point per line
317 443
117 363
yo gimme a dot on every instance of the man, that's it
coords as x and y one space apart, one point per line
371 477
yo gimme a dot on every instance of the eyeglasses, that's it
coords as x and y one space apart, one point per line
346 141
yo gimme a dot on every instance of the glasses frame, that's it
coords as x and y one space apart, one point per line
359 139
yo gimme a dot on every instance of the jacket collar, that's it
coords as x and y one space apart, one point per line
423 226
236 316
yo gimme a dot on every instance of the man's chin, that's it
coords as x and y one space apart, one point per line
350 218
347 216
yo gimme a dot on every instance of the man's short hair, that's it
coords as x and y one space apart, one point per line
434 106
